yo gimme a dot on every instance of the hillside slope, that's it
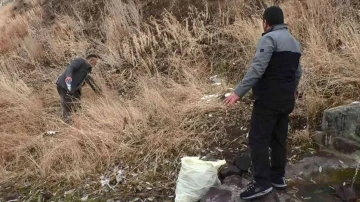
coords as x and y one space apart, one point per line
158 56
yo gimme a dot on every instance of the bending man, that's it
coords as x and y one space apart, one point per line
70 82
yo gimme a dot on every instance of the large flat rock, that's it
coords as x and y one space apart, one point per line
341 129
231 188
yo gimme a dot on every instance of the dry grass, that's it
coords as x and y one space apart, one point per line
164 64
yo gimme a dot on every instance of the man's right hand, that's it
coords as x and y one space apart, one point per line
231 100
68 79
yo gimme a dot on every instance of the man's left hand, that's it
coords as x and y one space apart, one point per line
231 100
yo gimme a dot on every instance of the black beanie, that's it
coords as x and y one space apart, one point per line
274 15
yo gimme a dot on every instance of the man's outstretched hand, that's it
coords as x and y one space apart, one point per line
231 100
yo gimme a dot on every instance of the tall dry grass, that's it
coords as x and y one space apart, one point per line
162 68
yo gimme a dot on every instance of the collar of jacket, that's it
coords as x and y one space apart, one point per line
276 27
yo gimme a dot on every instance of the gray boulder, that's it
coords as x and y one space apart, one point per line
341 129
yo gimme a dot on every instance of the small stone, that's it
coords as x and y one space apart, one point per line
345 146
47 196
12 197
228 170
243 160
216 194
346 193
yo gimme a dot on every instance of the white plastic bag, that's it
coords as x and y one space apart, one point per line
196 177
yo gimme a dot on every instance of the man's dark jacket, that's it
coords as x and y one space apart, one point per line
78 70
275 71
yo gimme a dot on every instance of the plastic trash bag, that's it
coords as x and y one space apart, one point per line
196 177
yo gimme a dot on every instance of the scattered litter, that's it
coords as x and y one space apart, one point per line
344 184
320 169
294 190
300 178
105 182
355 102
341 161
220 150
120 176
85 198
306 198
293 157
209 97
210 115
69 192
311 180
247 135
215 80
50 133
26 183
227 94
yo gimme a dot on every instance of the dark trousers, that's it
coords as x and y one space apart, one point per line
69 103
269 128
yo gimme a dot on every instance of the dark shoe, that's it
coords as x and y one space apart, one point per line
279 183
254 190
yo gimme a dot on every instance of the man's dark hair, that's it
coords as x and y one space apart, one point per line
274 15
93 56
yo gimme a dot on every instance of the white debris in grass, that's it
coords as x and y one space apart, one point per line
215 80
104 181
209 97
51 133
120 176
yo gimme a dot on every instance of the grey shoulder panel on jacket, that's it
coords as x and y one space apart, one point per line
284 41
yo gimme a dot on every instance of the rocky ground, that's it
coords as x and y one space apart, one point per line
313 175
311 179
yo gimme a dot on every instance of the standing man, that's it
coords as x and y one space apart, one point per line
273 76
70 82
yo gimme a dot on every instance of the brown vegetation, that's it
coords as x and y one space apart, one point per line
151 113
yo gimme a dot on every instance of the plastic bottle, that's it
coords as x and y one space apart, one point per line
68 84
